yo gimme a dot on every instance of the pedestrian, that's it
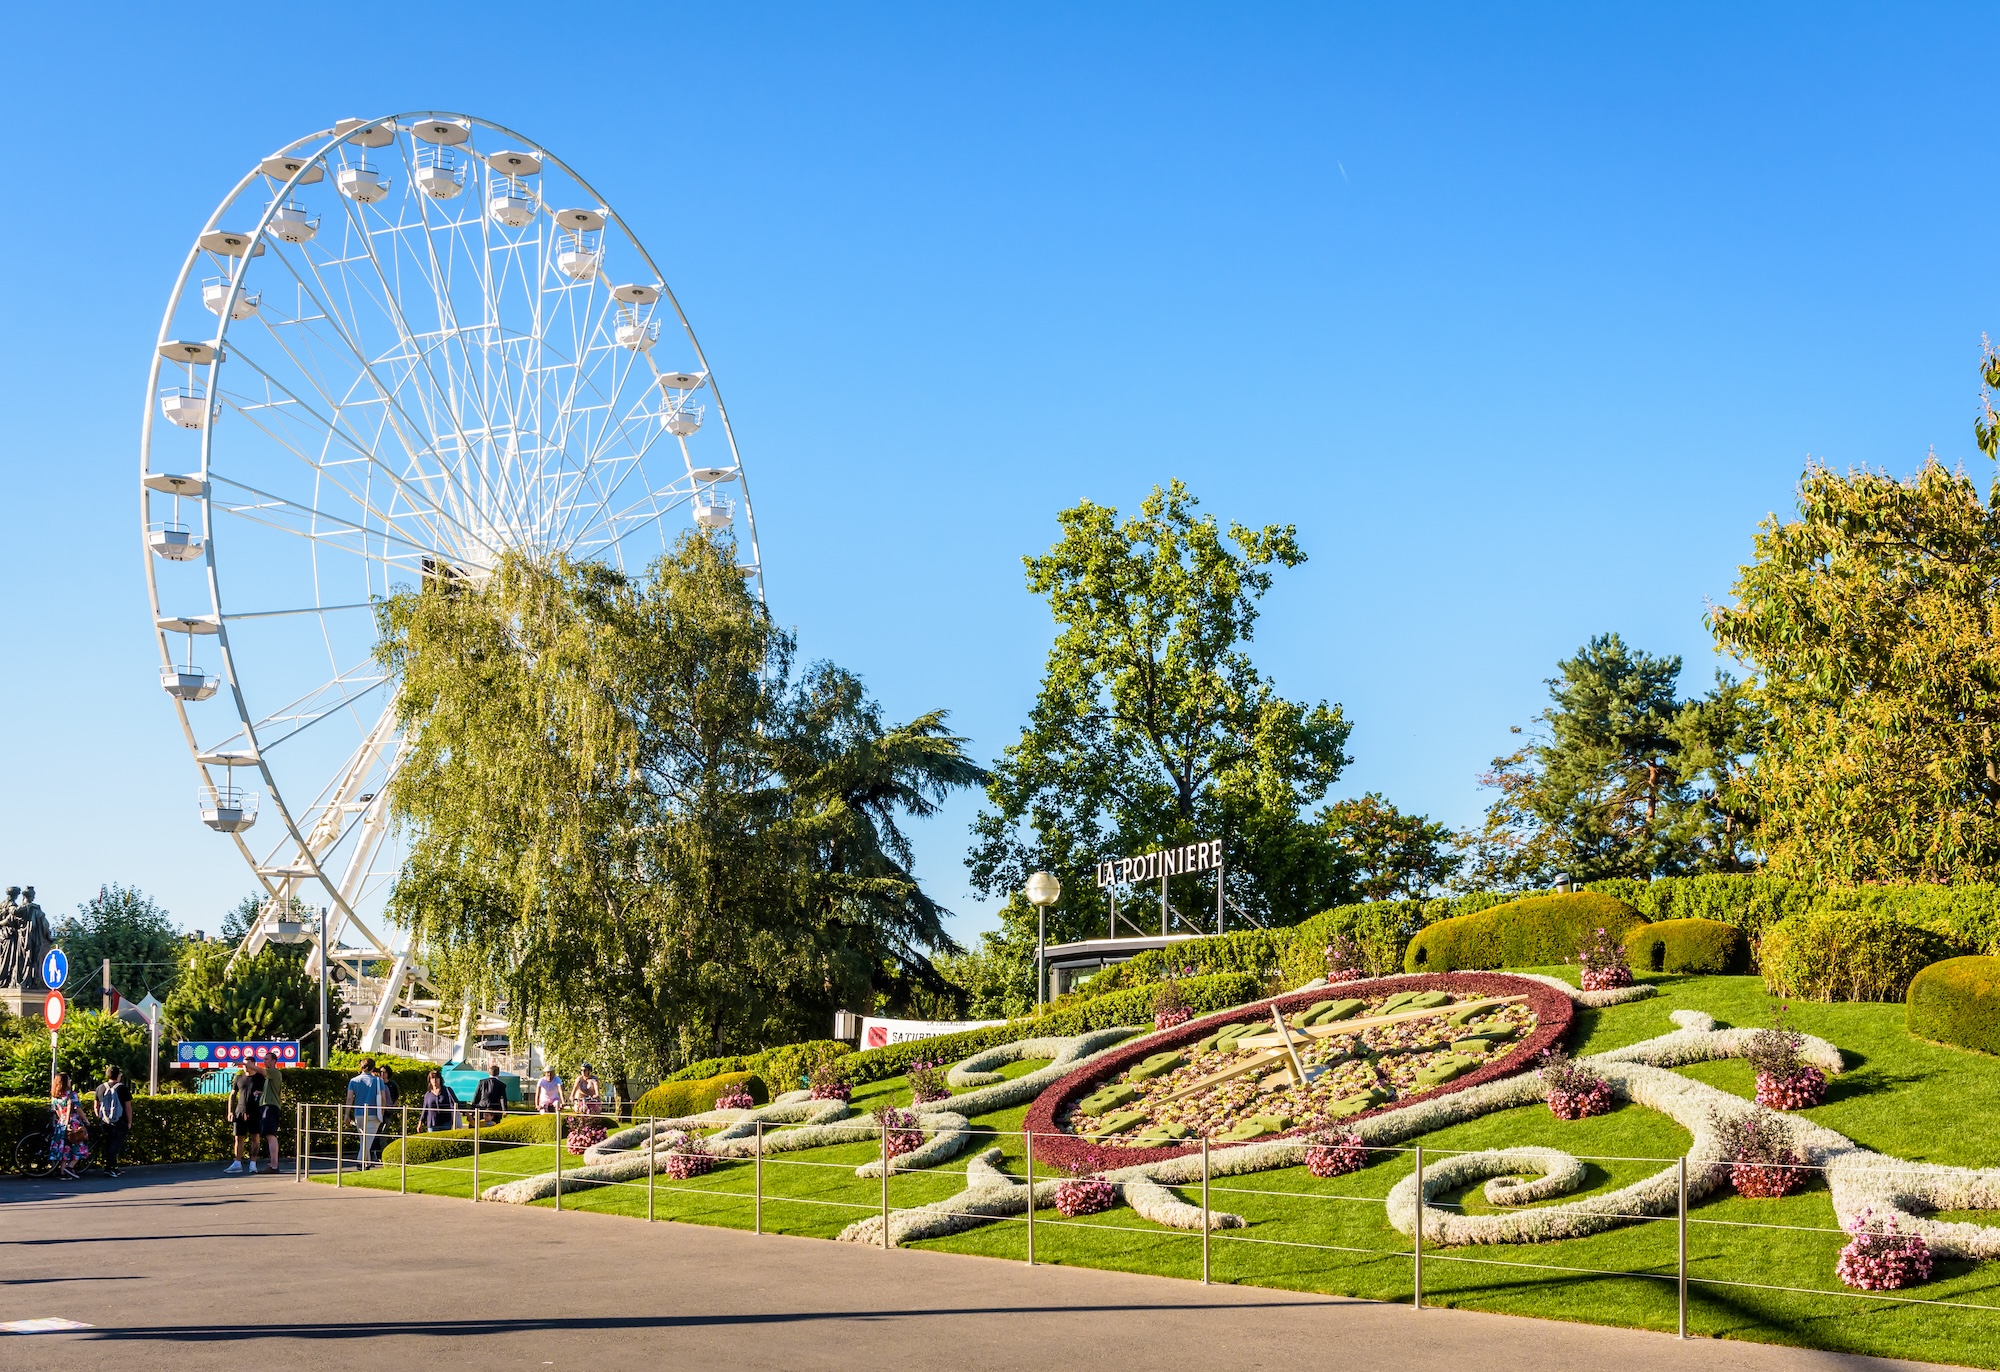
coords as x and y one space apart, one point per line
364 1099
588 1096
270 1112
246 1115
387 1095
440 1107
489 1102
548 1091
114 1111
69 1136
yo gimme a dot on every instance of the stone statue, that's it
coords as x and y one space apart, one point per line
25 940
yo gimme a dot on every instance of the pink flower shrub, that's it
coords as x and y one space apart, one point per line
829 1082
1602 958
584 1137
1880 1258
1574 1093
1345 960
903 1135
737 1097
1785 1081
927 1082
689 1157
1760 1158
1169 1019
1085 1196
1329 1154
1170 1008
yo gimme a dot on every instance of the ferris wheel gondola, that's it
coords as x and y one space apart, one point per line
365 374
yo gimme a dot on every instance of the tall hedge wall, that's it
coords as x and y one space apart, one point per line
1968 913
1535 931
164 1128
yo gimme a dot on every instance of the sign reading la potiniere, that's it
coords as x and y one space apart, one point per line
1184 859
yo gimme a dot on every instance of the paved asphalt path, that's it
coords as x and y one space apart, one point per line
181 1268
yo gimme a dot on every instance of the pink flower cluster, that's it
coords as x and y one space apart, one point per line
902 1134
1803 1089
689 1157
1335 1155
584 1137
1594 1099
737 1097
1879 1258
927 1082
1602 958
1085 1196
832 1090
1169 1019
1766 1180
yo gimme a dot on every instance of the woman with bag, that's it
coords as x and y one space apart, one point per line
440 1106
69 1136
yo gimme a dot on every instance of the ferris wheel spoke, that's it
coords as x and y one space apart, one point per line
311 708
347 528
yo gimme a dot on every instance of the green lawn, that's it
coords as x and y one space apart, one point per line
1901 1097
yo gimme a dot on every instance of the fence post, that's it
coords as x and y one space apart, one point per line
1029 1135
403 1157
1207 1217
300 1157
885 1180
758 1183
559 1153
652 1160
475 1157
339 1160
1417 1301
1683 1226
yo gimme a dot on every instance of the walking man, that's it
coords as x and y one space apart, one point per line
114 1110
246 1115
490 1099
364 1098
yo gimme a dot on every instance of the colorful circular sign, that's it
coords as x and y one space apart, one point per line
54 1008
55 969
186 1052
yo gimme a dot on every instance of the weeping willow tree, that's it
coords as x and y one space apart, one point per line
636 823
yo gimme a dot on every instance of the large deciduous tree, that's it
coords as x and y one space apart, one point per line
631 821
1623 780
127 926
1153 726
1871 619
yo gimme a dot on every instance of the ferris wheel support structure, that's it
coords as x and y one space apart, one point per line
395 374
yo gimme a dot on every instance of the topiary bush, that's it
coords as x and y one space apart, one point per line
1957 1001
1831 954
675 1099
1706 947
1535 931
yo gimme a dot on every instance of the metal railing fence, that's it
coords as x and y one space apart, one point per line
331 1139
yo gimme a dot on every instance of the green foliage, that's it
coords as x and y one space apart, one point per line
1703 946
787 1066
1627 781
674 1099
1256 951
1386 854
1957 1001
1534 931
1869 620
269 996
632 821
89 1043
350 1061
127 926
1830 953
1154 727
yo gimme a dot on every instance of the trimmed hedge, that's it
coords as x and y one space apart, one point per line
673 1099
444 1144
164 1128
1968 912
1704 946
1957 1001
1536 931
1831 954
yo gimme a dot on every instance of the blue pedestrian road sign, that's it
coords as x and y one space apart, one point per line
55 969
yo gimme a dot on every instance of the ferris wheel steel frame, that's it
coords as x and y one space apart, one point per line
302 859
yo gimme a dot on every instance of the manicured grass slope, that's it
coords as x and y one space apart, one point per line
1900 1096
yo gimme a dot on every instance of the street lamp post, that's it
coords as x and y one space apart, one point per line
1043 890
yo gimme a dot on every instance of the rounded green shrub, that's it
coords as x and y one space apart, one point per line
674 1099
1535 931
1830 954
1957 1001
1706 946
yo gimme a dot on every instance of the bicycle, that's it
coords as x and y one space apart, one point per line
31 1151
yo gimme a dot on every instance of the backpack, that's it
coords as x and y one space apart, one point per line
110 1108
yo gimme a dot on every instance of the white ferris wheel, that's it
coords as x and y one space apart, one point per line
399 348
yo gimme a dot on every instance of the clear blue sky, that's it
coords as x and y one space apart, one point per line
1523 316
